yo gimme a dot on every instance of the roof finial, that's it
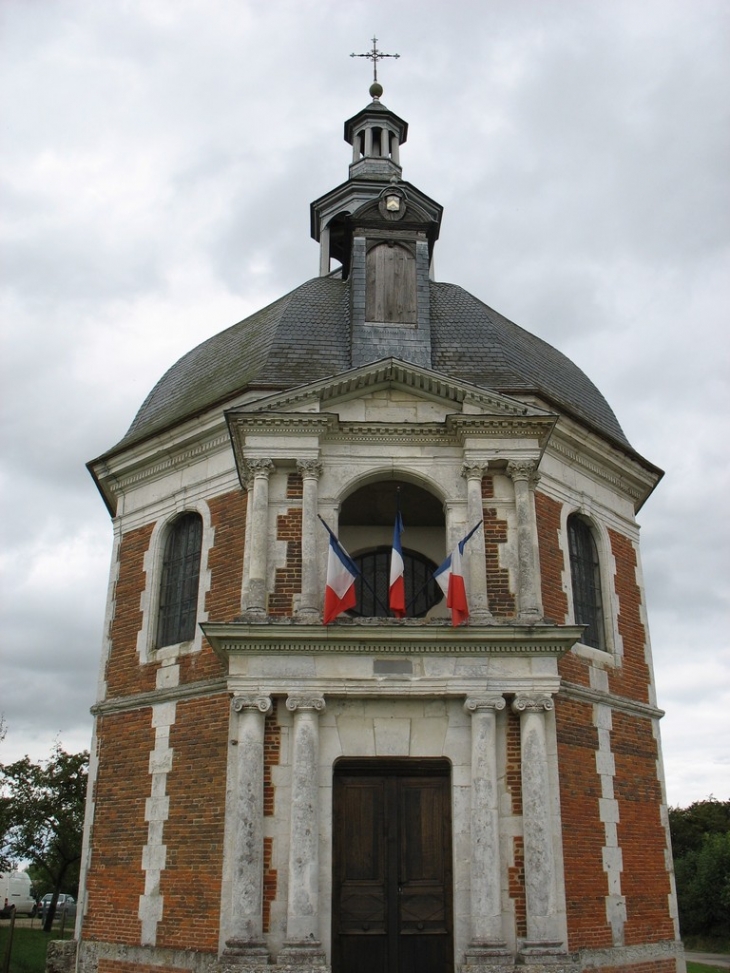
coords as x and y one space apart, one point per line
376 89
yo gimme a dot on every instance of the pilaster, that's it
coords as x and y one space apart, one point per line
475 551
525 477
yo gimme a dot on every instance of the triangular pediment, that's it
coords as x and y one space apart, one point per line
390 374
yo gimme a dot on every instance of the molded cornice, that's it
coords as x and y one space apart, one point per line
385 637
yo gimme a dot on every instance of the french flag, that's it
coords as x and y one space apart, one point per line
397 592
339 593
450 579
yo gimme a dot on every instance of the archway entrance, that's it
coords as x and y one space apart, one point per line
391 909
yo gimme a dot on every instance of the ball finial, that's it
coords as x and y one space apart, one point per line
376 89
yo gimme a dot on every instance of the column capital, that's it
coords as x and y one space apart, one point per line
309 469
260 703
532 703
294 703
523 469
257 467
473 704
472 470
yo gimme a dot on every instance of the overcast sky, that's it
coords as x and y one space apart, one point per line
158 161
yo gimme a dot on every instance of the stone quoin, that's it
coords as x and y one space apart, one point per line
379 793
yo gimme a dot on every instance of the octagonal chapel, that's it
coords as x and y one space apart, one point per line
425 777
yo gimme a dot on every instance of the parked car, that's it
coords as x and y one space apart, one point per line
66 903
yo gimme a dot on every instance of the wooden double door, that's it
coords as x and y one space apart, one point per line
392 909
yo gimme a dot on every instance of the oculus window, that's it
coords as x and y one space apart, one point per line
178 607
585 574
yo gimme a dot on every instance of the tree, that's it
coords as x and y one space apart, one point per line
43 804
701 846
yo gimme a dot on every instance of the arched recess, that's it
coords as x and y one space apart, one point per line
366 521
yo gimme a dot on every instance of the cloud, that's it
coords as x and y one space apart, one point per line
158 168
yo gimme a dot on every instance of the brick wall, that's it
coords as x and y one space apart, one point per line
552 568
288 580
123 673
193 832
645 881
583 831
116 879
633 677
501 598
552 565
225 563
272 754
513 783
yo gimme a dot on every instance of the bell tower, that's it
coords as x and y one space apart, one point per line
382 230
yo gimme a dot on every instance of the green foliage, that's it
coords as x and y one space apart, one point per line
701 845
44 816
689 825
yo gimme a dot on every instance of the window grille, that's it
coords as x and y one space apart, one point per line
586 581
179 583
422 592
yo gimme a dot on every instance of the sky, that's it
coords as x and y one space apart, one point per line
159 158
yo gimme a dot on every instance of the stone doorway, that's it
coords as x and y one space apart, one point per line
392 894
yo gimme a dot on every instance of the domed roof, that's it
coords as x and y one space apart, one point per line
305 337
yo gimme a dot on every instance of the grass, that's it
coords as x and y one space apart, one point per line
29 947
702 968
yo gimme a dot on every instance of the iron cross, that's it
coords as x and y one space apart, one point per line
375 55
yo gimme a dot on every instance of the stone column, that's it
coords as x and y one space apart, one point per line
258 539
543 940
487 946
525 477
302 945
324 252
395 149
309 606
474 554
246 939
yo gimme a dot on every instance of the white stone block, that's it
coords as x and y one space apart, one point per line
608 810
163 714
157 808
605 763
392 737
154 857
427 736
357 738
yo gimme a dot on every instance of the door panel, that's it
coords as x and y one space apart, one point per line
392 867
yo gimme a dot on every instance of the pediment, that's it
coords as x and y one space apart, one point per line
412 383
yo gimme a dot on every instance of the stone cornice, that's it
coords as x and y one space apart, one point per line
116 475
603 462
121 704
243 638
631 707
387 373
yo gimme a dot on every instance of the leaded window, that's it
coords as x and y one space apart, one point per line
585 572
179 582
373 585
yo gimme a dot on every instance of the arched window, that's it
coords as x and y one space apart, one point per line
372 587
585 573
178 608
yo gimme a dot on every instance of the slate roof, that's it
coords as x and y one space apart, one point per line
305 336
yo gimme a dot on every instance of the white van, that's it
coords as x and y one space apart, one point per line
15 890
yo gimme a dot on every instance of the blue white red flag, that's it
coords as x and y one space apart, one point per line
450 578
397 591
339 592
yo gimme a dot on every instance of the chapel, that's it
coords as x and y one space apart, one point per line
383 791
